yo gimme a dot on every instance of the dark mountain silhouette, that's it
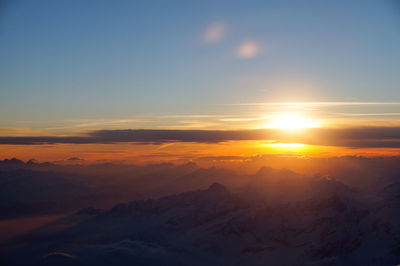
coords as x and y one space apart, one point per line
215 226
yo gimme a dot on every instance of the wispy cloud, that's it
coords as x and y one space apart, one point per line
18 131
214 32
248 49
315 103
368 114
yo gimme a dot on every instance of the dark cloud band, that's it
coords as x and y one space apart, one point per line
360 137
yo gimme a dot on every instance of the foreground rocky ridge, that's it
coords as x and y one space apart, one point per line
217 227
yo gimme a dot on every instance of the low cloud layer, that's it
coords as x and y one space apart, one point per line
357 137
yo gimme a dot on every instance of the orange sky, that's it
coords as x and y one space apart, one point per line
179 152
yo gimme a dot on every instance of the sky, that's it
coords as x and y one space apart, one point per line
72 67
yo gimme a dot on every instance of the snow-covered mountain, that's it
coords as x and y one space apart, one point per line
214 226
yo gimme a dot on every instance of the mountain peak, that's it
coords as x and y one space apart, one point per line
12 162
216 187
265 170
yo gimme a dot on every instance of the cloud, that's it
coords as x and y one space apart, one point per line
57 254
316 103
357 137
214 33
142 136
75 159
248 49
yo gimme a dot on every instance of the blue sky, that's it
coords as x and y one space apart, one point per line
71 60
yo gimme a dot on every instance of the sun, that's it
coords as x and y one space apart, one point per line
292 121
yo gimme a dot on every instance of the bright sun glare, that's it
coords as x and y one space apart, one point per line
292 122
